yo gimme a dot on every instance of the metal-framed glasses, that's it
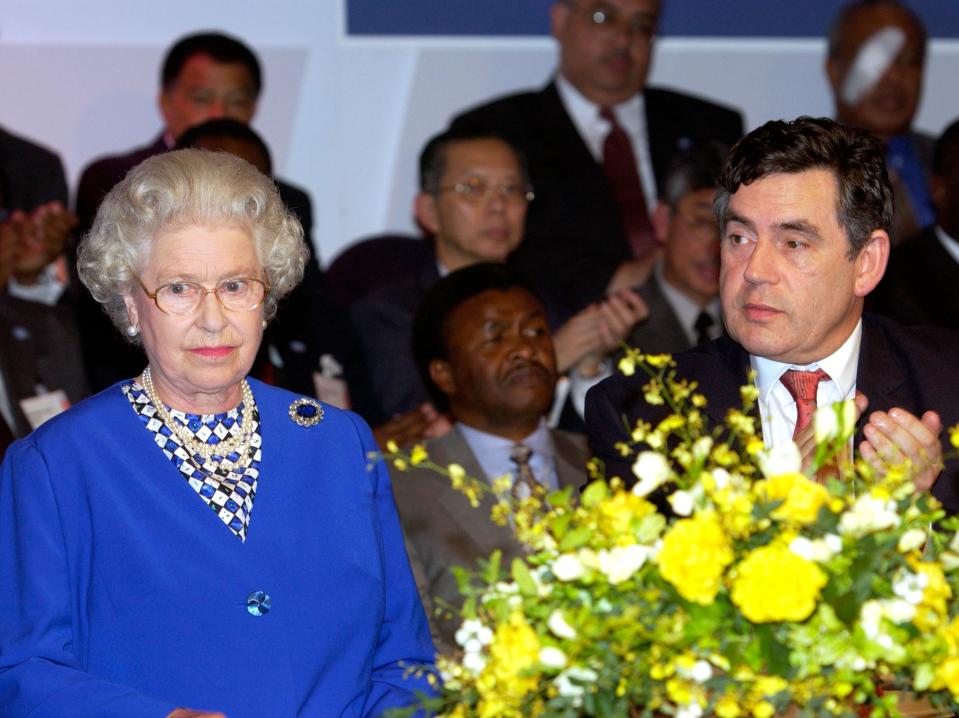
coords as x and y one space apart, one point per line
238 294
475 190
606 20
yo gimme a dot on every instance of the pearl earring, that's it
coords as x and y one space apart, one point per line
132 331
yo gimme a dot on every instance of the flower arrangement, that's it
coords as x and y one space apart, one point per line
765 592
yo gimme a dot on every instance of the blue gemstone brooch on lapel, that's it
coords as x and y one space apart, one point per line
306 412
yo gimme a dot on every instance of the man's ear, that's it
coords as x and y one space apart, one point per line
163 103
871 262
660 219
442 375
427 213
558 17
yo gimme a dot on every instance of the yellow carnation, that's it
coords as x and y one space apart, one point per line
947 675
506 680
932 609
801 497
694 554
619 516
774 584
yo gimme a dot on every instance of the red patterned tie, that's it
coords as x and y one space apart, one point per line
802 386
619 163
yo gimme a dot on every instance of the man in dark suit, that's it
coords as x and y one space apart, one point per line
921 286
483 344
875 63
682 292
598 141
204 76
804 211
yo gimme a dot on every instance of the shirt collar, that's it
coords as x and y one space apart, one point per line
584 113
841 366
493 452
686 310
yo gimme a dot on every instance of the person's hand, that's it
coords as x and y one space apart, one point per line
895 436
620 313
631 273
579 337
423 422
49 227
806 442
190 713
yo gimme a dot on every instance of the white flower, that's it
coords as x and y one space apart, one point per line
702 447
474 663
834 421
552 657
652 470
912 540
910 586
781 459
818 550
559 627
690 710
681 502
473 630
870 619
621 562
867 515
898 611
566 686
722 478
701 672
568 567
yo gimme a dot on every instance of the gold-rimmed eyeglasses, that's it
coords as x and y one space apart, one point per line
606 20
238 294
475 190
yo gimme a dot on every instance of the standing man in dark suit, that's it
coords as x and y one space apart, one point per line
205 76
598 141
682 291
804 211
921 286
483 345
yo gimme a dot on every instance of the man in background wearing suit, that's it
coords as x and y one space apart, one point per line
921 286
682 292
597 141
804 211
877 53
205 76
483 344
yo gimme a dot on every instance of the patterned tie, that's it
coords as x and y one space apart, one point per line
704 323
619 164
523 480
802 386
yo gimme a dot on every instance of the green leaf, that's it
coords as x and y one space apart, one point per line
491 574
523 578
575 538
594 494
775 653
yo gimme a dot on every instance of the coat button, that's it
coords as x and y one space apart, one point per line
258 603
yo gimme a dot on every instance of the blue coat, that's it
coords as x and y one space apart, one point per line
123 594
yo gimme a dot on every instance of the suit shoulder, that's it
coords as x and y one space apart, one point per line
27 150
666 97
505 109
939 343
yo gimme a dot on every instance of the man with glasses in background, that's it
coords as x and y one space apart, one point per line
598 141
474 194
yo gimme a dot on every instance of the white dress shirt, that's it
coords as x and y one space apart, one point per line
493 453
687 311
631 116
777 408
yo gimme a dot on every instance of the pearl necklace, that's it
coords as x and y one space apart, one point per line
234 444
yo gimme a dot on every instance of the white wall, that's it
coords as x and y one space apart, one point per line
346 117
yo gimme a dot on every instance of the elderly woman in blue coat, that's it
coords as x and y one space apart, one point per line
192 542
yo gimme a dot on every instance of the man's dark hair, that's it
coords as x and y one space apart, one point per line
848 12
225 128
431 321
945 153
693 169
433 156
854 157
216 45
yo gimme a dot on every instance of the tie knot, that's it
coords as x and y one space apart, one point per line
520 454
607 114
803 385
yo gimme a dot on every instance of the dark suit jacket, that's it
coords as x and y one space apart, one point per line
39 344
29 174
661 332
442 530
303 328
915 369
575 238
921 284
383 324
